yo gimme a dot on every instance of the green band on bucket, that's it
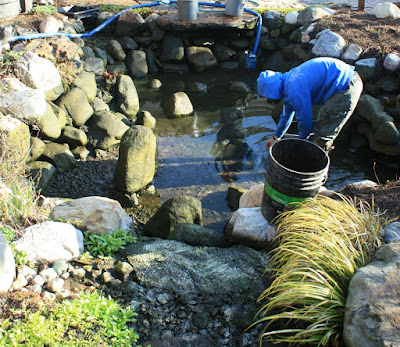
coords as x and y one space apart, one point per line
279 197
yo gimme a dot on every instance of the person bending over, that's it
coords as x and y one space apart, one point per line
320 81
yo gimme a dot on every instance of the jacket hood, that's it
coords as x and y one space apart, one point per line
270 84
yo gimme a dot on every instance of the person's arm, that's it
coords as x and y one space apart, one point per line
285 120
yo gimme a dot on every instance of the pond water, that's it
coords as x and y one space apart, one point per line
223 143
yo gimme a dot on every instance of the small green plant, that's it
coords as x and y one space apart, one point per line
321 243
107 244
46 10
373 30
143 11
12 56
89 320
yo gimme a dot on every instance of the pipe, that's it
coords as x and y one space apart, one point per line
111 19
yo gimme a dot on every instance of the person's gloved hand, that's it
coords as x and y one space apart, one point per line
271 141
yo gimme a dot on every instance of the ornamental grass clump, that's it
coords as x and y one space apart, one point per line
321 244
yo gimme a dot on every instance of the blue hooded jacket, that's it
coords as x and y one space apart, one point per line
311 83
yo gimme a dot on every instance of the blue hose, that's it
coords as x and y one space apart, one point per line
111 19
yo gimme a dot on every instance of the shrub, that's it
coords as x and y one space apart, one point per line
46 10
321 244
89 320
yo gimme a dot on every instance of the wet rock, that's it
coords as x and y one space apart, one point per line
154 83
178 105
196 235
233 195
201 58
181 209
239 87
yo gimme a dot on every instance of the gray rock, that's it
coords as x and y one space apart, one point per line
145 118
387 133
329 44
157 34
55 285
38 280
154 83
352 53
94 64
43 173
201 58
178 105
239 87
172 49
102 54
271 20
392 232
48 274
36 149
117 69
233 195
128 99
129 23
192 272
136 63
181 209
87 82
136 164
51 241
49 124
373 302
176 68
99 105
116 50
60 156
222 52
61 114
248 226
96 214
152 61
366 68
39 73
76 104
16 135
197 87
60 266
7 265
88 52
106 130
19 282
128 43
392 62
123 268
386 10
366 130
311 14
196 235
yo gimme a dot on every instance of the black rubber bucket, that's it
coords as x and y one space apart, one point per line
295 170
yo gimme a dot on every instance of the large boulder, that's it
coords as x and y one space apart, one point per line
50 241
311 14
373 302
128 99
60 156
209 273
180 209
328 44
49 124
136 164
95 213
39 73
7 264
106 130
386 10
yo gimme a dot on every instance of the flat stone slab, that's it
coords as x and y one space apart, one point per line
207 21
